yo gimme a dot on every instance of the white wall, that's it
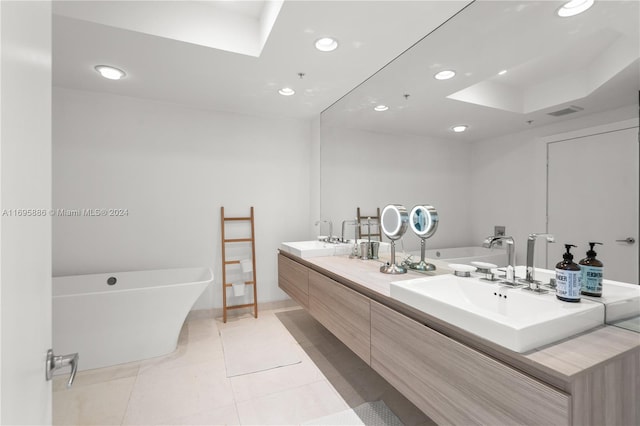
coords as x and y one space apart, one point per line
368 170
173 167
314 173
508 185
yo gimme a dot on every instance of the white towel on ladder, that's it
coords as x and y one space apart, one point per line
238 288
246 265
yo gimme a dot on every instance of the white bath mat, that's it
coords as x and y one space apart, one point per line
370 414
257 346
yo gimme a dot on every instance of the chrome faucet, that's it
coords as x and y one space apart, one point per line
492 241
354 223
531 242
330 236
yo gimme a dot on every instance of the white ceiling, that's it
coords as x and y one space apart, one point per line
249 8
235 26
589 60
160 66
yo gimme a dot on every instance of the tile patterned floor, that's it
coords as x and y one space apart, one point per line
190 385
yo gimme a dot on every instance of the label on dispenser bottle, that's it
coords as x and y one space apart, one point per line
568 284
591 279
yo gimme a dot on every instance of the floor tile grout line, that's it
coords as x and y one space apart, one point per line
286 389
235 403
124 414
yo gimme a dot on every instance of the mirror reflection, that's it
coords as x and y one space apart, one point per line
424 220
508 117
512 66
424 223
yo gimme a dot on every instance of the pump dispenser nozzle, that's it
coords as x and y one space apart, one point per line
591 252
568 255
591 273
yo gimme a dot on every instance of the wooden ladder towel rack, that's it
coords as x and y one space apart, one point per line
362 220
225 262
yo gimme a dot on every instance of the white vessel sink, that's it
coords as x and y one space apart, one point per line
514 318
314 248
622 299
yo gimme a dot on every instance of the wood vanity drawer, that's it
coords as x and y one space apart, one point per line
344 312
293 278
454 384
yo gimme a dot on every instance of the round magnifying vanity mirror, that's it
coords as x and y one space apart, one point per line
394 221
424 222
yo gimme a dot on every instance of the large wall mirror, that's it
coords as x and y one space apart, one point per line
528 87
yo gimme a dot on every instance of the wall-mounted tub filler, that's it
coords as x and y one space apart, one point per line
394 221
491 241
423 220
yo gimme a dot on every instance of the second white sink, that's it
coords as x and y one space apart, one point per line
313 248
622 300
514 318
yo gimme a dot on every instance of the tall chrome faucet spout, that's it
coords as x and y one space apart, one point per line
329 237
491 241
352 222
531 242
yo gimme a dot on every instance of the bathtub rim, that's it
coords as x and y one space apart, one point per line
209 280
485 250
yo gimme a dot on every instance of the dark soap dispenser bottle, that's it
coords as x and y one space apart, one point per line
591 270
568 278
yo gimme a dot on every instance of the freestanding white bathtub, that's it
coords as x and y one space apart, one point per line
115 318
466 255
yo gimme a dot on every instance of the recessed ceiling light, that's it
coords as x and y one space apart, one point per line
381 108
286 91
503 72
574 7
445 75
326 44
111 73
459 128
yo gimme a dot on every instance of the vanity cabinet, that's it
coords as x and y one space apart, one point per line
590 379
344 312
454 384
293 279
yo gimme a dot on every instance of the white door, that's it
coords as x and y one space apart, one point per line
593 196
25 226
